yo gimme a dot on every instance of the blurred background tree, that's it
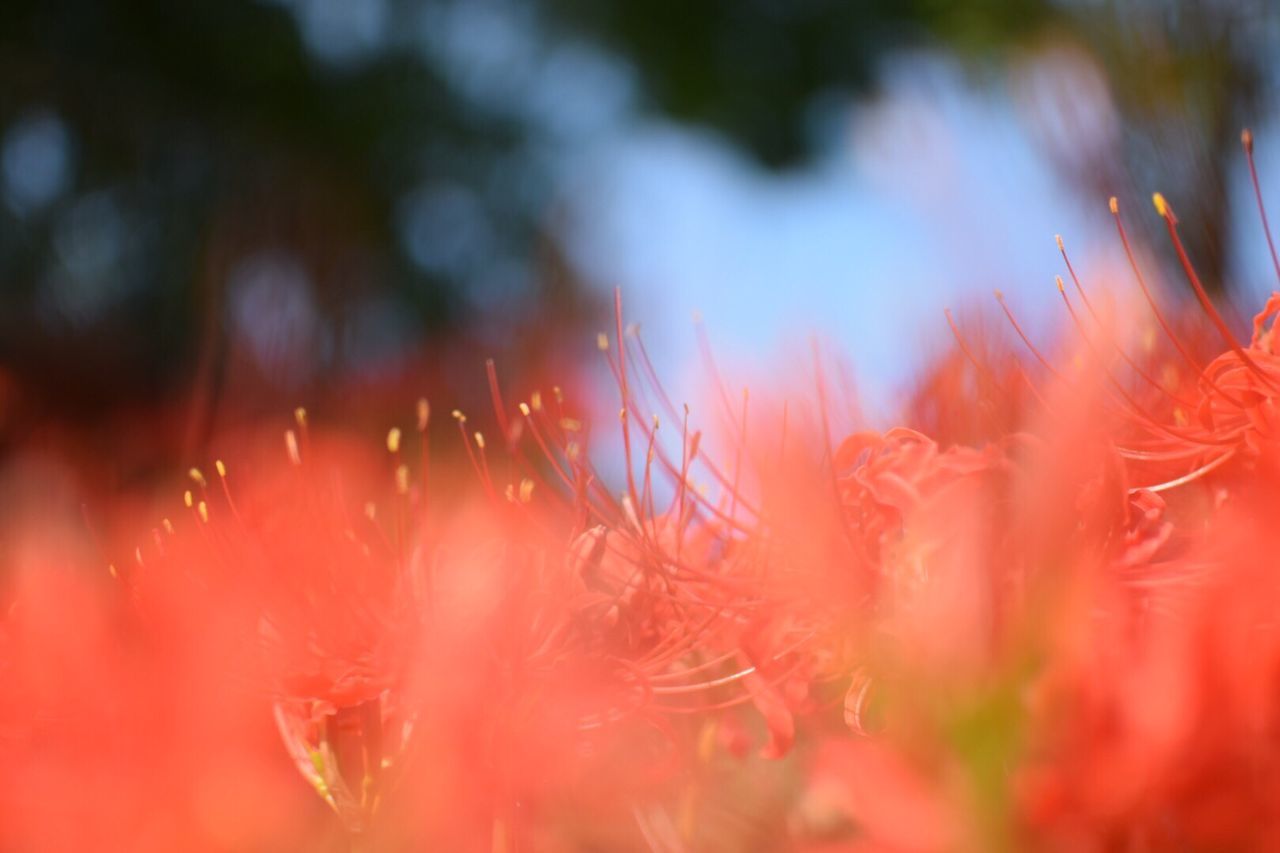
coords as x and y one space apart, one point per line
1184 76
301 191
302 185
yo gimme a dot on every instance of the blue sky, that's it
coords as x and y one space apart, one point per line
930 196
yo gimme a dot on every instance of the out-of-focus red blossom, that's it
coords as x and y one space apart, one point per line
1041 618
1139 709
899 491
1160 727
316 605
1240 403
119 739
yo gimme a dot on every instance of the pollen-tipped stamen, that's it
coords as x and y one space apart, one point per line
1171 222
1246 139
1155 308
1084 298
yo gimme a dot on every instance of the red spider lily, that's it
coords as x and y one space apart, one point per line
1134 712
888 482
117 738
1158 727
1042 618
572 616
293 571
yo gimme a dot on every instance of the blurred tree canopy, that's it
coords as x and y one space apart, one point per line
192 136
754 68
1185 77
161 160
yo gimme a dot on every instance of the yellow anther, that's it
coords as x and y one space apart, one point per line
524 409
291 447
393 440
1061 246
480 440
1246 139
167 525
188 499
203 509
535 401
526 490
1058 279
402 479
1162 206
424 413
1114 204
300 415
220 468
458 416
196 475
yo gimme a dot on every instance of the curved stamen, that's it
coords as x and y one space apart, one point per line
1155 309
1190 477
1084 297
1171 222
1246 139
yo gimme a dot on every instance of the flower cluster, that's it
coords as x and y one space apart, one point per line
1038 614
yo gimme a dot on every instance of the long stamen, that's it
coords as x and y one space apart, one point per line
828 448
484 461
722 390
1031 386
1044 362
578 475
964 348
1190 477
712 469
1171 222
1155 309
646 492
737 464
683 483
1132 404
482 473
1246 139
226 491
626 396
1084 298
984 371
424 420
495 395
542 445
